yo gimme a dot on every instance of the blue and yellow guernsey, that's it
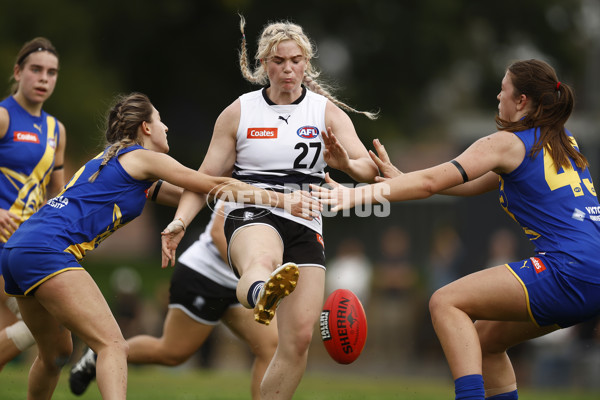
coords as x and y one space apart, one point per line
85 213
558 211
26 159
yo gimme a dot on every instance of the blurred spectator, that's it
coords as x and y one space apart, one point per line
350 269
502 248
395 300
446 257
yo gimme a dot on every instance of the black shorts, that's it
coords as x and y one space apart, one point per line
301 245
202 299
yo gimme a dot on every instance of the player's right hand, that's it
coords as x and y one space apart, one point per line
170 238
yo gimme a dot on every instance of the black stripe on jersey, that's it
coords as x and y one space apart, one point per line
274 180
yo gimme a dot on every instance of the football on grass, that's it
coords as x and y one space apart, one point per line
343 326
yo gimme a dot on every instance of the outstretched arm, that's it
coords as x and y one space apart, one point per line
501 152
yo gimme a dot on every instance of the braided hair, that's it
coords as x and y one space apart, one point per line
124 118
271 36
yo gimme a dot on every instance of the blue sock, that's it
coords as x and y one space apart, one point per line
254 291
469 387
505 396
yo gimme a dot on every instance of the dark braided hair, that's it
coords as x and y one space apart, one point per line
123 121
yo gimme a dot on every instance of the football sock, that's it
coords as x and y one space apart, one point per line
505 396
254 291
469 387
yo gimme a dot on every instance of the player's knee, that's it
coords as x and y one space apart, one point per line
436 303
301 341
55 358
122 346
265 349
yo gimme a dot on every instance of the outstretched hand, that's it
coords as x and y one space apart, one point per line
335 155
338 197
300 204
382 160
170 238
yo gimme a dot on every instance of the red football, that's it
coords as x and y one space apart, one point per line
343 326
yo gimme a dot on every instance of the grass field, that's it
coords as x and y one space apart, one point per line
153 383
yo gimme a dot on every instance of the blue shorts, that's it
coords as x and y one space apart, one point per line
554 298
25 269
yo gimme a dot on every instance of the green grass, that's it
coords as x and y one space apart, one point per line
153 383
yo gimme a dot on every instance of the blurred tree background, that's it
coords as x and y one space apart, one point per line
422 63
432 67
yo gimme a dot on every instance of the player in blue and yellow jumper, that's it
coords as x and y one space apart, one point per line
40 262
545 185
32 148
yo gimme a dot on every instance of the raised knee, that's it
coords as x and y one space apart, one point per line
436 302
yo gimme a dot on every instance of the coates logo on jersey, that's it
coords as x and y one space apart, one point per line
28 137
262 133
308 132
538 265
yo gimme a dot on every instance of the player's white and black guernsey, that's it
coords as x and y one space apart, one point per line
280 146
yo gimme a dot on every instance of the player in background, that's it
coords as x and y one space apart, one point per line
40 261
202 293
32 150
276 137
545 185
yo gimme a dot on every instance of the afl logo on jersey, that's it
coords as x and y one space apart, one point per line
308 132
28 137
262 133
